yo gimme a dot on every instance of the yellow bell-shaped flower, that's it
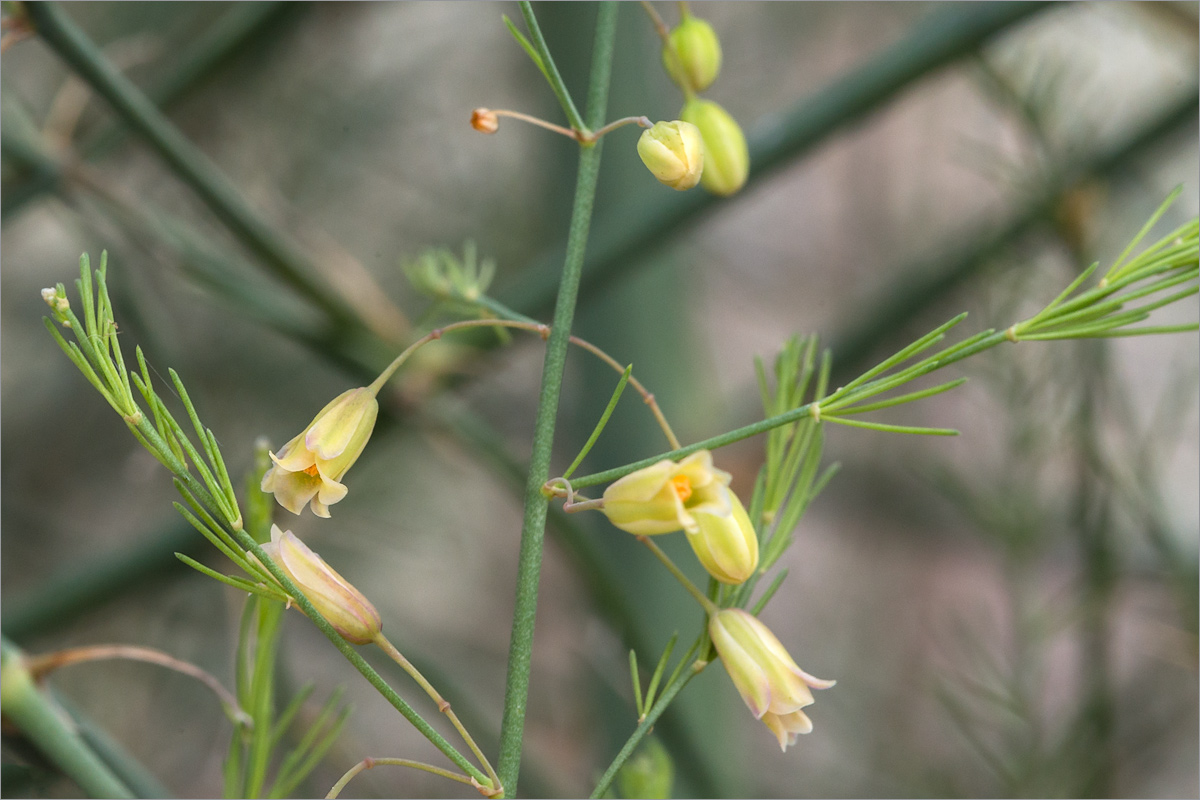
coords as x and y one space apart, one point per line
726 155
667 496
348 611
726 544
309 467
673 152
772 686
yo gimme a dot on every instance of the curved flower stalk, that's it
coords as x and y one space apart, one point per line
772 686
309 468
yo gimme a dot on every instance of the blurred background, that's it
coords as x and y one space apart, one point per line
1012 612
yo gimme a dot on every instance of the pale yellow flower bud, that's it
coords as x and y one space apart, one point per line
350 614
667 496
726 156
485 120
310 466
692 57
772 686
673 152
726 544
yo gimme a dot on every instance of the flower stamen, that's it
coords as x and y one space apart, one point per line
682 486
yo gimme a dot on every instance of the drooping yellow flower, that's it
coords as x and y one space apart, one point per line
694 496
673 152
666 496
772 686
348 611
309 467
726 544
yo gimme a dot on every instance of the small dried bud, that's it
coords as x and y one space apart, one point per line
484 120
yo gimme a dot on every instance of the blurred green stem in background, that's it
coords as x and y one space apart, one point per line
30 708
276 250
533 529
234 30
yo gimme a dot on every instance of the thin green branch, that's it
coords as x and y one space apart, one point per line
673 688
608 410
626 237
545 62
346 649
533 529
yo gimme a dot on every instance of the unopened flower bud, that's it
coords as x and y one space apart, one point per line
772 686
673 152
692 55
726 544
648 773
726 156
309 467
484 120
347 610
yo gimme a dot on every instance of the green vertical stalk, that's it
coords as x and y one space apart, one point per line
268 617
534 528
30 709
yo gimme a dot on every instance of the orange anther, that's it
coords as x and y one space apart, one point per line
312 470
682 486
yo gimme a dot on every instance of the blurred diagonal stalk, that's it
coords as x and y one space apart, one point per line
624 237
83 586
285 259
30 708
241 24
924 283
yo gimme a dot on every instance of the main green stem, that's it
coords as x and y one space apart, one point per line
533 532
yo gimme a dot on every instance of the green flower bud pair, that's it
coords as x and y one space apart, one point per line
705 146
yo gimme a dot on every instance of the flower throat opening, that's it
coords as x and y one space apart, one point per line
682 486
